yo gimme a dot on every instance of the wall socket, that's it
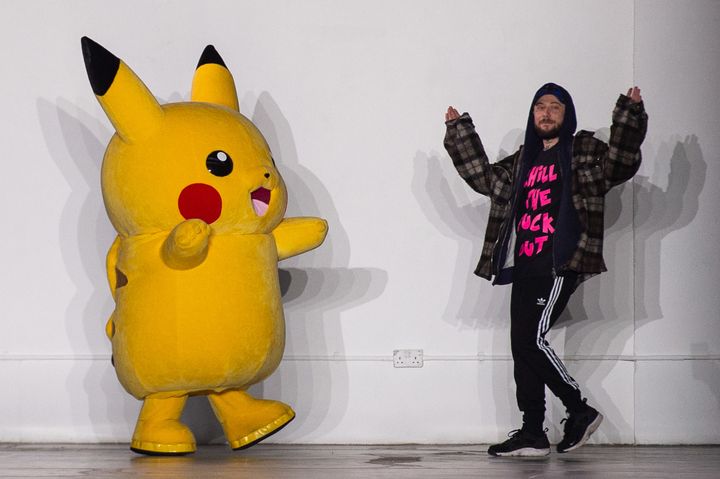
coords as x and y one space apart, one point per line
408 358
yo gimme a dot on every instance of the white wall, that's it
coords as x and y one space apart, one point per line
677 305
351 98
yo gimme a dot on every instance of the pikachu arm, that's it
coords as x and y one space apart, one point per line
111 267
297 235
187 244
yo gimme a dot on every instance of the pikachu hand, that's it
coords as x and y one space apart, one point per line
187 245
297 235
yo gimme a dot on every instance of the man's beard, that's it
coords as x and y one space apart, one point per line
548 134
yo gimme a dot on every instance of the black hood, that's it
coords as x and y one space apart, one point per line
533 143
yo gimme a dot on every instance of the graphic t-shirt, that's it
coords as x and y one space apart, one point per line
538 207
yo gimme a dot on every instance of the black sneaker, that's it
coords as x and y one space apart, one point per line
522 443
578 428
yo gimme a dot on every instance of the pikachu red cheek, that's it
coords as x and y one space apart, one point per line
200 201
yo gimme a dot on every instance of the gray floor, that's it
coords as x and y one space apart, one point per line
397 462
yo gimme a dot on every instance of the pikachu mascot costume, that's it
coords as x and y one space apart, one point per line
198 205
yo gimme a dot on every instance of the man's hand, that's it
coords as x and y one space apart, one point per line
634 94
452 114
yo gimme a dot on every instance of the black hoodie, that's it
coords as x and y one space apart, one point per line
567 225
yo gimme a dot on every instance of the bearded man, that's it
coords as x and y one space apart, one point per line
544 236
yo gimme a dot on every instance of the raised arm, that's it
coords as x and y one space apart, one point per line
297 235
468 155
629 125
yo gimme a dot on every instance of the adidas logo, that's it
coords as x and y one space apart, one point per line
541 301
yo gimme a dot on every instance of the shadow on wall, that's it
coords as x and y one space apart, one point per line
437 187
73 139
659 212
464 224
708 372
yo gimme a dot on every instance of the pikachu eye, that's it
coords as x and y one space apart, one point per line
219 163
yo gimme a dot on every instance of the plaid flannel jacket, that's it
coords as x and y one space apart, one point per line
596 167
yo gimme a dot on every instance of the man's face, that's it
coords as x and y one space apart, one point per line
548 114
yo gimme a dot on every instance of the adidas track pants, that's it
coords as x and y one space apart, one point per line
536 303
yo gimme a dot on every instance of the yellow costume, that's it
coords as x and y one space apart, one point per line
193 192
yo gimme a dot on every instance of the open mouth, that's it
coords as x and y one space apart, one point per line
260 200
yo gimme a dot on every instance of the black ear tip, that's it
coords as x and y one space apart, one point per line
91 49
101 65
210 55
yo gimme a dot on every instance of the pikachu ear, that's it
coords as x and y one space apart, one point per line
213 82
132 109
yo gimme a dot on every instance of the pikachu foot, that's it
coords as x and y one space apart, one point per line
166 438
159 431
246 420
262 433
